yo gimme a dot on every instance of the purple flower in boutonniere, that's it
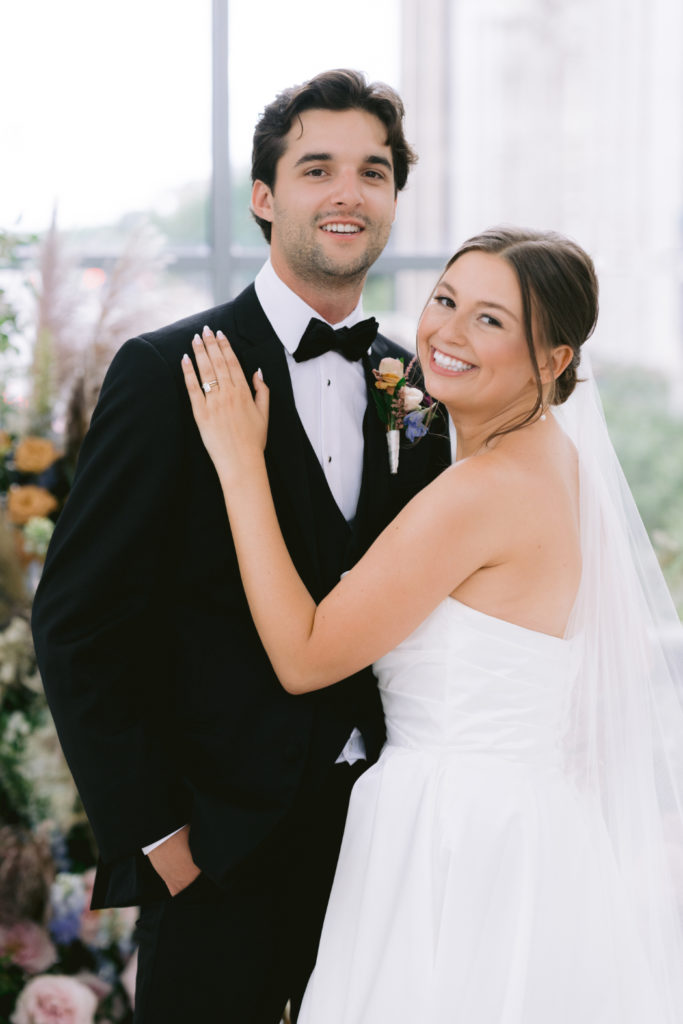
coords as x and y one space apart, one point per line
414 425
399 406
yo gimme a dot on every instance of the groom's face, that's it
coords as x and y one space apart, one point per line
334 199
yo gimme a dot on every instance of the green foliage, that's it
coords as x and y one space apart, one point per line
23 710
12 980
647 433
11 245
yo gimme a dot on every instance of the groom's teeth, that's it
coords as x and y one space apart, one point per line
449 363
342 229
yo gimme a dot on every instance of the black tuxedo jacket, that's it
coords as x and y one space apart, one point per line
166 705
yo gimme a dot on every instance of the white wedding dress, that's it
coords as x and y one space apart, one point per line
475 883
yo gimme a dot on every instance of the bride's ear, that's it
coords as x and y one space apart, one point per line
555 362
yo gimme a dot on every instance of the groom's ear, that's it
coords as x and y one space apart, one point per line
262 201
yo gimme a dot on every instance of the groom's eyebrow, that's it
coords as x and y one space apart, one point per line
309 158
373 158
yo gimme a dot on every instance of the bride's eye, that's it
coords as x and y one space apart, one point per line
491 320
444 300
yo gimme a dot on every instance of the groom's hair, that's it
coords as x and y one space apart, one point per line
331 90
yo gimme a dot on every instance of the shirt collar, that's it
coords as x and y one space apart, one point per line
287 312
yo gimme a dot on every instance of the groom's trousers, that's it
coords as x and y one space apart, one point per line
235 954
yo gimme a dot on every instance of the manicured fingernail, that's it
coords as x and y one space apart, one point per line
206 332
196 340
259 373
219 334
186 358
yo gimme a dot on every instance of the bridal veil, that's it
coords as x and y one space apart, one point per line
624 741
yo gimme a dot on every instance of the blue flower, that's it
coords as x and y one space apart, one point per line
66 929
414 425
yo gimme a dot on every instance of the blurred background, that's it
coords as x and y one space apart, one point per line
124 189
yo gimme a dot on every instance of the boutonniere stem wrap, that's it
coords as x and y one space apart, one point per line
400 407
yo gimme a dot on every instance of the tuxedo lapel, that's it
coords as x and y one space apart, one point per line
296 477
375 480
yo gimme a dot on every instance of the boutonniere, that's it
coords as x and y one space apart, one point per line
400 407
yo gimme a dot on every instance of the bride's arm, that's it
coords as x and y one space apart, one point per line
437 541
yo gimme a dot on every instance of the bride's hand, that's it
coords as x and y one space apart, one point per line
232 424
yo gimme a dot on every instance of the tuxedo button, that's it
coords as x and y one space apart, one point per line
293 752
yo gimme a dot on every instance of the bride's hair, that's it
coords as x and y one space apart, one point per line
559 288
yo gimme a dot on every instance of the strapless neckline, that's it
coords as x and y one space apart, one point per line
503 624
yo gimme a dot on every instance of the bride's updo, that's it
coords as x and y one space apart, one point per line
559 291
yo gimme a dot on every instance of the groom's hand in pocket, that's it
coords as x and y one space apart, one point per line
173 862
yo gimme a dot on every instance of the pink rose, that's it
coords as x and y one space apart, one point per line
90 919
28 945
55 999
128 977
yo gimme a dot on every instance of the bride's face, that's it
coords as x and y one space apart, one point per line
471 339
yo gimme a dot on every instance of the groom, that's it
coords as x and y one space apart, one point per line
217 799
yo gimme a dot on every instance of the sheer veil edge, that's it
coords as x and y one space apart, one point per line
624 735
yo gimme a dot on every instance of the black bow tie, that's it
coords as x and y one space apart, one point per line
351 342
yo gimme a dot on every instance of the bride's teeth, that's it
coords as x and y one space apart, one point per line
449 363
344 229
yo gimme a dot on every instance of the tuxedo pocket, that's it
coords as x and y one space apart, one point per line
195 892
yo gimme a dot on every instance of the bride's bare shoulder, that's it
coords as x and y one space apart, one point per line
513 472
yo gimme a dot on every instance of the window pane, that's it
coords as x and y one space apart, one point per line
110 111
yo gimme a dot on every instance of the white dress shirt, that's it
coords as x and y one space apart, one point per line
331 397
329 391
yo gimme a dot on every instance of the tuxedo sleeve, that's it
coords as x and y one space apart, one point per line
98 615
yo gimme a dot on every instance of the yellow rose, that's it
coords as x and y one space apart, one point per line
25 502
389 374
411 398
34 454
387 382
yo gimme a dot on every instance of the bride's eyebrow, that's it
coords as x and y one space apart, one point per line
480 303
497 305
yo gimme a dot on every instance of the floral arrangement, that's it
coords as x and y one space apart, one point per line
60 962
400 407
33 486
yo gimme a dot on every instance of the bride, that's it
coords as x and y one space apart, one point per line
510 859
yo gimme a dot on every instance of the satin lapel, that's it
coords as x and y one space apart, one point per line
287 444
375 481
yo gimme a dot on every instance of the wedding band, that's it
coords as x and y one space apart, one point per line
209 385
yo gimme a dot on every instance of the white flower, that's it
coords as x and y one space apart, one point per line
411 398
68 894
17 727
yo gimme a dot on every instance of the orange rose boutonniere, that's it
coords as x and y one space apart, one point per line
399 406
